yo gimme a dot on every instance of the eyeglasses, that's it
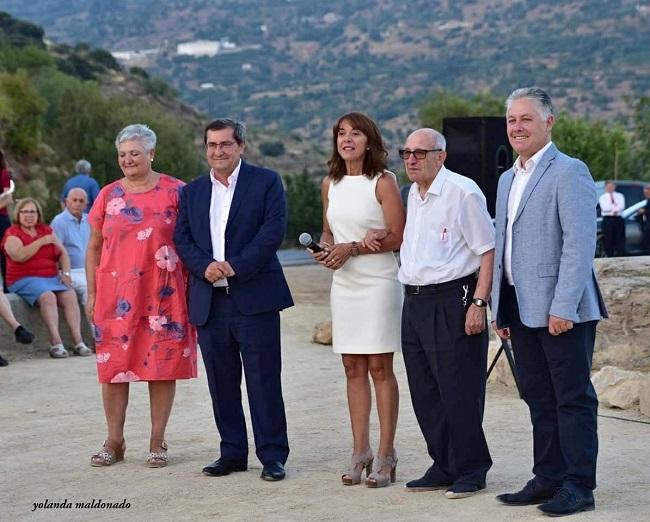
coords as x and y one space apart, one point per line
28 211
225 145
419 154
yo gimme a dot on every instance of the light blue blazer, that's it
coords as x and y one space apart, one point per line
553 243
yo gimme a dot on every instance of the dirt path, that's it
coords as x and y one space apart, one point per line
51 420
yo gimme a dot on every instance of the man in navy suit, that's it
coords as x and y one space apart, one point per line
545 298
231 224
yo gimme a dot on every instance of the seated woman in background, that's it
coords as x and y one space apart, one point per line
34 256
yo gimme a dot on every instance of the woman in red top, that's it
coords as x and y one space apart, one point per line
34 256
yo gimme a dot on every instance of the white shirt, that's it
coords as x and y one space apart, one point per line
220 202
611 203
446 232
519 182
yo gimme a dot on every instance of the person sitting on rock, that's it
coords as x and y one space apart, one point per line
21 333
38 270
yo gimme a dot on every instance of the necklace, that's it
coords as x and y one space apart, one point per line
147 184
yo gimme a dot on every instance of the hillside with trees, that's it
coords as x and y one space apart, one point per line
298 64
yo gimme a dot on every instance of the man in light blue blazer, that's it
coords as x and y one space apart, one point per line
546 300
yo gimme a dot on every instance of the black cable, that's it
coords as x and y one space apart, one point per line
623 419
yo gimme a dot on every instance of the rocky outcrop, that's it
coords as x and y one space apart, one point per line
323 333
618 388
623 340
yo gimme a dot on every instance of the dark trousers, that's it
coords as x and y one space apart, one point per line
646 238
229 340
554 376
5 223
614 235
446 373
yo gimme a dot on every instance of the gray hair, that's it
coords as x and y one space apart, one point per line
137 131
83 166
439 140
542 98
238 129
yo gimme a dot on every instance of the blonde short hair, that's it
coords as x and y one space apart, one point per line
21 203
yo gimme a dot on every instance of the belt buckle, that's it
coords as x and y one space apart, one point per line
228 290
417 290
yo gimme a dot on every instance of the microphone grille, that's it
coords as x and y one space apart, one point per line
304 239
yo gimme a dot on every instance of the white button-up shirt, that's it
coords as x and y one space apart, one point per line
522 176
611 204
446 232
220 202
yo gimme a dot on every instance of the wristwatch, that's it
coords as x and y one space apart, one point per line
354 251
65 274
479 302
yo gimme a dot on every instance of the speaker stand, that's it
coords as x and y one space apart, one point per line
507 349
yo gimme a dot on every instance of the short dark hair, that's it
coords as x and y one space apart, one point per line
238 129
374 162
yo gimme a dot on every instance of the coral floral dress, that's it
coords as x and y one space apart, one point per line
142 331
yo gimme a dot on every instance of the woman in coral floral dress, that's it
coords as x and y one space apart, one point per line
136 294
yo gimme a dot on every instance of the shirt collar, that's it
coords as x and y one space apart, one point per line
438 182
69 215
532 161
232 179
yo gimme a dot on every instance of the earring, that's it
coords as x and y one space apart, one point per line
151 160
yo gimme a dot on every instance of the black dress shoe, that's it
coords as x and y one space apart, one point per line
223 466
273 471
568 501
23 335
3 361
532 493
431 481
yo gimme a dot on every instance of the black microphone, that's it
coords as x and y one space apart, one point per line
305 240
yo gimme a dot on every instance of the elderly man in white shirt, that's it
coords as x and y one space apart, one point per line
612 203
447 256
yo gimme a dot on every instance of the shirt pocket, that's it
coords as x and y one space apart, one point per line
440 240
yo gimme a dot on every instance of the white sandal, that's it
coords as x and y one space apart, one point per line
57 351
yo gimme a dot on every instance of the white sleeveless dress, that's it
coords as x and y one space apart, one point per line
366 297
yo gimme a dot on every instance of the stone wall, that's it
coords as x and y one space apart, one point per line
31 319
623 340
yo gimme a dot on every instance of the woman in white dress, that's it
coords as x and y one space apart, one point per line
360 200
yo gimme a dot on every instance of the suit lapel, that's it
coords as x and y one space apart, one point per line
244 181
202 213
540 170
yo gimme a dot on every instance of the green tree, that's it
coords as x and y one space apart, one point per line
304 205
21 113
606 149
641 145
444 104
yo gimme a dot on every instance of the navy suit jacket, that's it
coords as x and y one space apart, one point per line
254 231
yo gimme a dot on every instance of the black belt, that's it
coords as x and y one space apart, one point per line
437 287
222 289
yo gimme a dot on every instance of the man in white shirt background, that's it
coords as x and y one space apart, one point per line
612 203
448 237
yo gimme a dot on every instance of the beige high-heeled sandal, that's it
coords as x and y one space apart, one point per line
379 480
158 459
357 464
108 455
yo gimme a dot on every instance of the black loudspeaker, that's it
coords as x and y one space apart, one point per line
479 149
